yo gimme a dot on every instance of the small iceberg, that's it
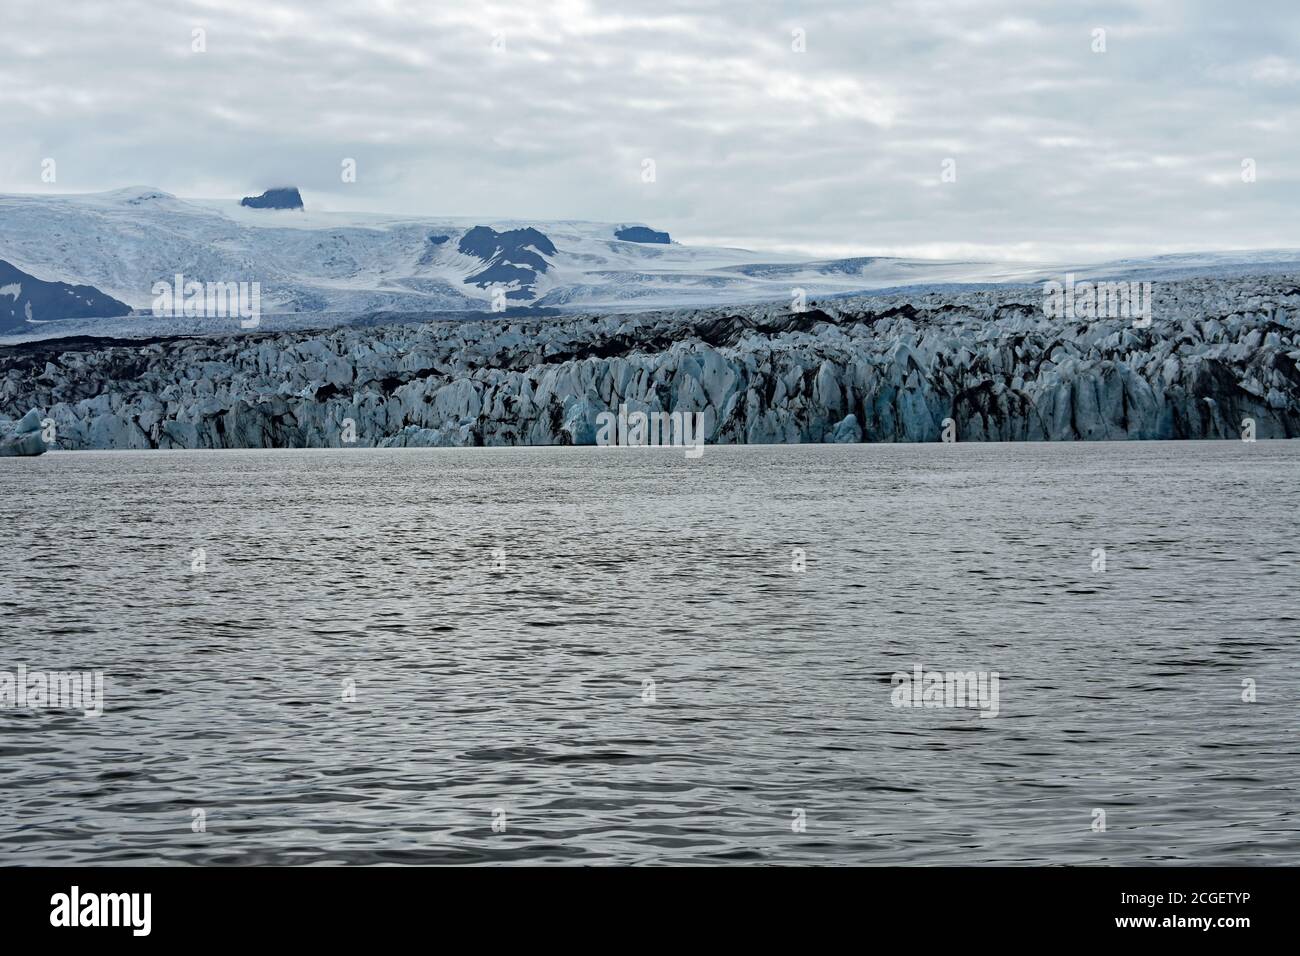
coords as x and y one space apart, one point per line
24 438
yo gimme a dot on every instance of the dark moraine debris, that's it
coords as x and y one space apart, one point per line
285 197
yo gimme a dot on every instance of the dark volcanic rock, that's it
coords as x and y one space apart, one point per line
642 234
24 297
286 197
514 257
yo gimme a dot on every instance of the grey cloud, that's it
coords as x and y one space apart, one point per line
1060 152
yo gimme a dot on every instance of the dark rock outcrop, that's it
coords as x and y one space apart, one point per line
285 197
513 258
25 299
642 234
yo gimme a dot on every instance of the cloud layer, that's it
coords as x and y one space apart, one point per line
551 110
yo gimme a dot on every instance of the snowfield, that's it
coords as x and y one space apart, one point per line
334 264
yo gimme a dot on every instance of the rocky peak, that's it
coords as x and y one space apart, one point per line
284 197
642 234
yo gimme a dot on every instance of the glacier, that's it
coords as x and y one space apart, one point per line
1219 361
325 266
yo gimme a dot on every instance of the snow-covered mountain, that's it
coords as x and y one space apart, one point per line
308 261
124 241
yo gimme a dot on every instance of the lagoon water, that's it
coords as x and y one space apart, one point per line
348 672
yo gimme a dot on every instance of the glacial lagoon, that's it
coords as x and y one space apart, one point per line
580 655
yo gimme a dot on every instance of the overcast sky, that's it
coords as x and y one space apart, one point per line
548 110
